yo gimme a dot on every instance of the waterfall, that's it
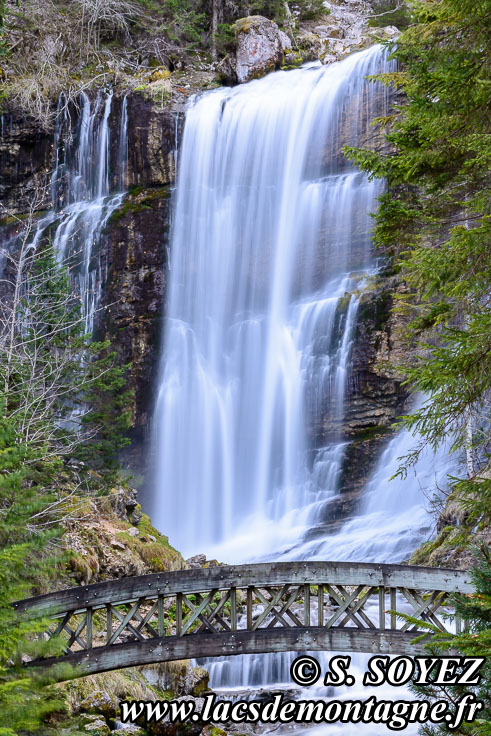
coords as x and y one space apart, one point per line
270 243
84 191
270 246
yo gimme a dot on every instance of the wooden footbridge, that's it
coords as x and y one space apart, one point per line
267 607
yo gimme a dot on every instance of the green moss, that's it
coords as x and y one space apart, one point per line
159 555
244 25
343 303
450 540
370 432
138 200
374 312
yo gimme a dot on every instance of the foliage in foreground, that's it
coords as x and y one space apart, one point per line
62 398
435 222
475 612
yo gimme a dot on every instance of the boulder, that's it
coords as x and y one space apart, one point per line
211 730
97 728
291 57
198 561
99 702
179 677
260 47
130 729
227 70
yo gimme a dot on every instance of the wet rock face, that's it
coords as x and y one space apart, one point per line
135 255
260 47
375 398
134 290
25 164
153 132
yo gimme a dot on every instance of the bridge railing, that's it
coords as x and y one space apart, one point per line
277 606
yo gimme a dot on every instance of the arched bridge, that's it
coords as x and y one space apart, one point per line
267 607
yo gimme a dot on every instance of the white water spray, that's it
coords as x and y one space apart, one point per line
270 239
83 193
270 244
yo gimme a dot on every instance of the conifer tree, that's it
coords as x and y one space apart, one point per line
475 613
62 396
435 222
24 539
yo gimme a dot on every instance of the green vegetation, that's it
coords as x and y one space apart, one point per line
48 47
390 12
475 612
62 422
434 221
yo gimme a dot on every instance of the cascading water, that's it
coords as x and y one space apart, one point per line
270 237
84 192
270 246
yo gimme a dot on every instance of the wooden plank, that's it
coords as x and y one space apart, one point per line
215 614
109 623
88 629
233 609
358 609
343 605
393 608
125 622
178 614
269 606
320 605
306 605
75 635
195 611
423 609
160 614
242 576
104 659
381 608
284 610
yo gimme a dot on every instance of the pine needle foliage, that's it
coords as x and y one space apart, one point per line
434 221
24 557
62 397
475 611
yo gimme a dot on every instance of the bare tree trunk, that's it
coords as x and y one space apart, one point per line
19 280
469 450
214 26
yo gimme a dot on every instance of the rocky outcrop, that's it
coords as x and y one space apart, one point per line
109 538
375 396
135 253
344 29
260 47
26 159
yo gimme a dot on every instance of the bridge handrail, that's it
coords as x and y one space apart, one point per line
99 595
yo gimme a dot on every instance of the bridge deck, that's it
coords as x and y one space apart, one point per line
267 607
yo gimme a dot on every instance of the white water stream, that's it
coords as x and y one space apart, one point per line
270 238
84 191
270 245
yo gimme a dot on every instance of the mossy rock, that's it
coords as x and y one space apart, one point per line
211 730
152 547
245 25
449 542
201 681
343 303
161 74
97 727
100 703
